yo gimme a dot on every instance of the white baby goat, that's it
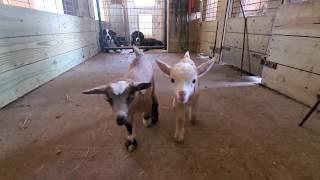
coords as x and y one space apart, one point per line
185 79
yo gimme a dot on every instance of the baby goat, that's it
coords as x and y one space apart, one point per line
134 93
185 79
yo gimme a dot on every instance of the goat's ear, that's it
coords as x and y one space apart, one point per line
138 86
97 90
204 68
164 67
187 55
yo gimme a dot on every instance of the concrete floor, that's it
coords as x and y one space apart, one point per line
245 131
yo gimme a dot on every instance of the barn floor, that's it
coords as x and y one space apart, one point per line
245 131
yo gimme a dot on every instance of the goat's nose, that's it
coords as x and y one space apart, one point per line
121 120
182 94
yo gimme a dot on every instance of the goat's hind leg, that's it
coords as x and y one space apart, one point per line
151 114
155 106
147 115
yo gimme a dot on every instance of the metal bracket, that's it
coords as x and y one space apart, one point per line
262 57
226 48
269 64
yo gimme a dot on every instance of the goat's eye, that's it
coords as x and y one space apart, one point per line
109 100
194 81
172 80
130 98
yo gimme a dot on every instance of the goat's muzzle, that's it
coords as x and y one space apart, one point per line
121 120
182 96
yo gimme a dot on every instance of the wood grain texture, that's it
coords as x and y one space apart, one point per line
300 19
258 43
15 21
300 85
256 25
257 40
295 45
194 36
36 47
21 51
251 62
296 52
202 36
14 84
208 26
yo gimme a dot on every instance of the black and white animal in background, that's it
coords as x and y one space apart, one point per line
152 42
137 38
110 38
133 93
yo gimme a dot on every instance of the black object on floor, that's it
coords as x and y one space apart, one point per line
310 112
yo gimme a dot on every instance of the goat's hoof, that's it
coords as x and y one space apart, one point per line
193 122
178 139
147 121
131 145
155 119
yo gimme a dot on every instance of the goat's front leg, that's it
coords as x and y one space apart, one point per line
193 109
131 143
180 116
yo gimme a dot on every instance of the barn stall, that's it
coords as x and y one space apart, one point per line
258 114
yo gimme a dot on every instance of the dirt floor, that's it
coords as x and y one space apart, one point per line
245 131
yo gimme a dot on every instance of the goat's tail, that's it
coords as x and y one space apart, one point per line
137 51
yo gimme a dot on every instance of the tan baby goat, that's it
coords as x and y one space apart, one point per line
132 94
185 79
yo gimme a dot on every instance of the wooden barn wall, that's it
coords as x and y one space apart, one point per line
295 46
37 46
202 36
256 42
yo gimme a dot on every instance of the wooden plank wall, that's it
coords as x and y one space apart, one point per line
43 5
37 46
256 42
202 36
295 45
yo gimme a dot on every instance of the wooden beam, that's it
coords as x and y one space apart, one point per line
256 25
296 52
258 43
305 22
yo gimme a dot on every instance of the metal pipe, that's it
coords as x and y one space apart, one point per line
100 25
244 37
165 23
310 112
226 17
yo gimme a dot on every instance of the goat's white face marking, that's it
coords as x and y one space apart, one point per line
184 79
119 87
